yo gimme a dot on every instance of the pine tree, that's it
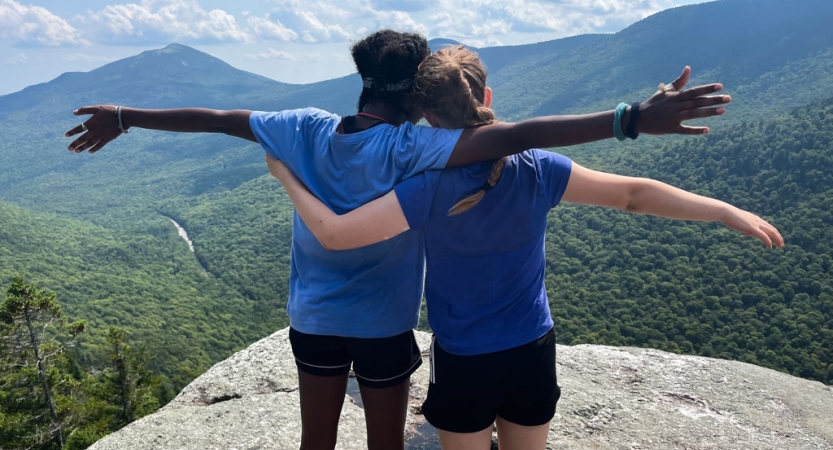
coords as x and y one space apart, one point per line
131 386
36 404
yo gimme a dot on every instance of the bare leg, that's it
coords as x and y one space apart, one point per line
481 440
321 402
385 411
511 436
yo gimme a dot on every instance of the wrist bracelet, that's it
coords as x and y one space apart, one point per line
633 126
617 121
121 124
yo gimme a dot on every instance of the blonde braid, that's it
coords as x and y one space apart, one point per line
472 200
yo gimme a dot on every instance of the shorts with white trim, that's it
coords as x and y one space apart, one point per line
377 362
467 393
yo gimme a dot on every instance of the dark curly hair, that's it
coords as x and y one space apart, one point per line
389 58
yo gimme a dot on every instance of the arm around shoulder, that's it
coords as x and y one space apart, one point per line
371 223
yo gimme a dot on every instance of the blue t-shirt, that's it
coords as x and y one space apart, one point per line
485 280
368 292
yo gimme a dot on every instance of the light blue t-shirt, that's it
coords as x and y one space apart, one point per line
485 281
369 292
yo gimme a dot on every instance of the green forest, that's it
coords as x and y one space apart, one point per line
612 278
48 399
704 289
129 314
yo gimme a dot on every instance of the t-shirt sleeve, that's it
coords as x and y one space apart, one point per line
554 171
423 148
416 197
280 132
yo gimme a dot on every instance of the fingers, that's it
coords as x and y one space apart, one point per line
773 233
760 234
98 146
701 113
86 145
692 130
78 142
710 100
699 91
86 110
84 142
76 130
682 80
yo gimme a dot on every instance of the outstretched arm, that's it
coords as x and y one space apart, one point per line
374 222
663 113
645 196
103 126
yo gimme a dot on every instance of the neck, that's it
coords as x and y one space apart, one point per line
391 114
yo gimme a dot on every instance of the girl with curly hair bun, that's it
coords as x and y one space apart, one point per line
493 353
358 308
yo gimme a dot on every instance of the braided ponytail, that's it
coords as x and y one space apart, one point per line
472 200
451 84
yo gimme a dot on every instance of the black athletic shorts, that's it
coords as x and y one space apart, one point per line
377 363
467 393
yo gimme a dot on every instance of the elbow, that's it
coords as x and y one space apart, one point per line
634 199
330 241
630 202
328 245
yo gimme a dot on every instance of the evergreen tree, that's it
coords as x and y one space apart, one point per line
131 387
36 405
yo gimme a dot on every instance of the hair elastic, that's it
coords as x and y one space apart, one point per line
633 125
379 86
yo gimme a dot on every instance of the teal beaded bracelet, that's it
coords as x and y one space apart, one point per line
618 131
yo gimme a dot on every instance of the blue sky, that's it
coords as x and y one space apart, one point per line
296 41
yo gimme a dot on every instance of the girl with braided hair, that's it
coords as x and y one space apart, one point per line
493 353
358 308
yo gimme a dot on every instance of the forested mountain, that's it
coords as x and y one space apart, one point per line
760 49
620 279
94 228
147 282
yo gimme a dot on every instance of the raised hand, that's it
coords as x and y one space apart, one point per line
668 108
752 225
97 131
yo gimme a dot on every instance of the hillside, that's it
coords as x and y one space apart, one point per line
614 279
621 279
760 49
148 283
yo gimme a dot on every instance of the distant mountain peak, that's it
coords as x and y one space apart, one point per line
440 43
174 47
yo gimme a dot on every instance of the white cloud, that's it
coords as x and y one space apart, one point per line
348 20
33 25
265 28
271 54
483 22
160 21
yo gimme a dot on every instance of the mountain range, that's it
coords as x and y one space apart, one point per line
96 228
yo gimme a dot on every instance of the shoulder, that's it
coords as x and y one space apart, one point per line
546 160
409 132
293 115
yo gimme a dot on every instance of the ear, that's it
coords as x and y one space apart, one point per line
487 101
431 118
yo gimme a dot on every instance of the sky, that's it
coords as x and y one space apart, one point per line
294 41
